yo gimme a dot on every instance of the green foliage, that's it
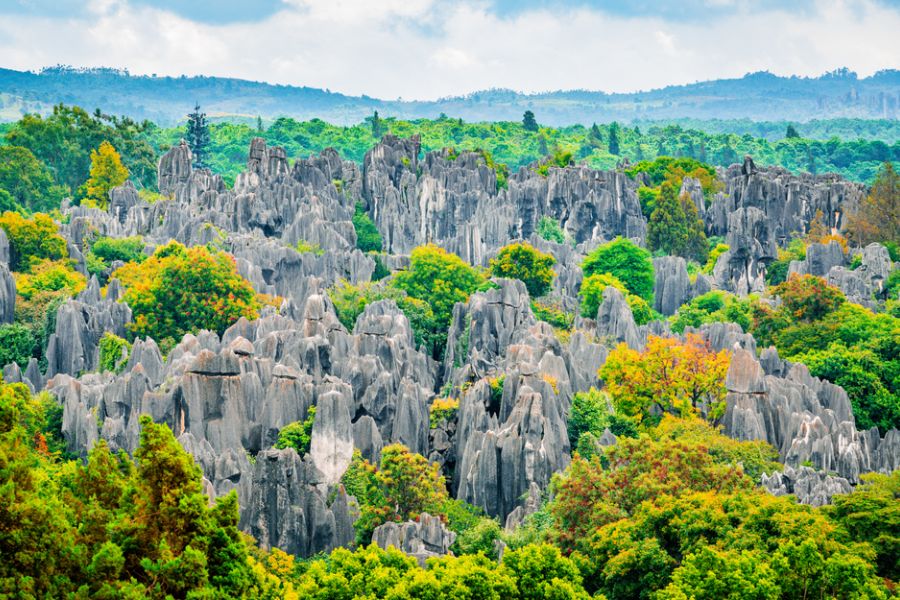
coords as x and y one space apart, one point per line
368 239
28 181
589 413
108 528
114 352
442 409
440 280
674 170
878 216
32 240
181 290
777 271
16 344
549 229
559 159
543 572
298 435
627 262
48 277
717 250
871 514
552 313
64 140
839 341
528 121
713 307
524 262
105 250
675 227
403 486
304 247
591 293
351 300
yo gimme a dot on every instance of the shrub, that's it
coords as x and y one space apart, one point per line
625 261
549 229
442 409
588 414
16 344
808 298
368 239
180 290
32 240
714 254
304 247
107 172
298 435
712 307
591 292
524 262
552 313
114 352
50 276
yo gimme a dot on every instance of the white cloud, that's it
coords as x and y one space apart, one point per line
427 48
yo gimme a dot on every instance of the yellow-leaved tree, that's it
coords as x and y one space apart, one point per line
107 172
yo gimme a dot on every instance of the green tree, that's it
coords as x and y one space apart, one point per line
528 121
107 172
28 181
198 138
675 226
791 132
613 144
524 262
627 262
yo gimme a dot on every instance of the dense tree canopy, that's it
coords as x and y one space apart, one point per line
627 262
526 263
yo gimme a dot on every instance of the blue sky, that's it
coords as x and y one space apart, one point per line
431 48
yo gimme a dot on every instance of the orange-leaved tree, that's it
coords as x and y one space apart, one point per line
668 376
180 290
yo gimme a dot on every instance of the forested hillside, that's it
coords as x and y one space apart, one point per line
441 359
756 96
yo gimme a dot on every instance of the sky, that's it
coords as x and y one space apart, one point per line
426 49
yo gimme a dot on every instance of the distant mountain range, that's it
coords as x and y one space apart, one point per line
758 96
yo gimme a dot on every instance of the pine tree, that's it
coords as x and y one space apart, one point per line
377 126
198 137
614 138
791 132
107 172
259 124
697 247
595 135
529 123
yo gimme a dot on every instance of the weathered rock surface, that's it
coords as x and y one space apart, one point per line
423 538
811 487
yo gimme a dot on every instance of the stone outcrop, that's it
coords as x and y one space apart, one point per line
228 396
423 538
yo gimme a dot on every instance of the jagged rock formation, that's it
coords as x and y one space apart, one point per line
227 397
808 485
423 538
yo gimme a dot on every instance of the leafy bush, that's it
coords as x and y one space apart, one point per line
549 229
50 276
114 352
776 271
107 172
351 300
718 250
808 298
712 307
368 239
591 292
106 250
524 262
16 344
180 290
442 409
298 435
588 414
552 313
28 181
304 247
32 240
625 261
